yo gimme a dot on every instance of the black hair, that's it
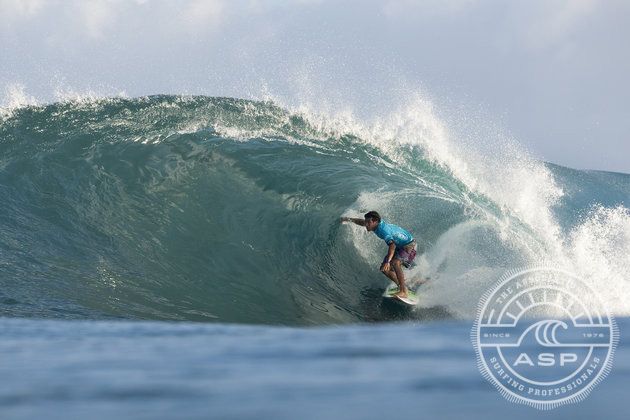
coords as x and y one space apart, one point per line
373 215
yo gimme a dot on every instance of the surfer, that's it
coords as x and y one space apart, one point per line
402 247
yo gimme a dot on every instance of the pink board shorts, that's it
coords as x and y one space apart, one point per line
406 253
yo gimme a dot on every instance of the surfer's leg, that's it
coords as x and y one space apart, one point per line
398 273
392 276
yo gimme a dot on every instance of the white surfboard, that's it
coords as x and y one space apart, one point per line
411 298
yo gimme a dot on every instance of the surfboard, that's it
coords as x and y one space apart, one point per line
411 298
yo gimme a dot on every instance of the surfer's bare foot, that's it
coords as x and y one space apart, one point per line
401 293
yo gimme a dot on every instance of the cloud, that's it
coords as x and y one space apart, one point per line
10 9
96 16
95 19
202 15
556 21
204 10
419 10
12 12
91 17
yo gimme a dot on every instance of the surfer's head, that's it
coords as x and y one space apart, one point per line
372 219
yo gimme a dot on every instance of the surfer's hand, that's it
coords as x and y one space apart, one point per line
385 267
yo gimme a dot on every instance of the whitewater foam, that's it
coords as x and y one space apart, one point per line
599 248
15 97
522 194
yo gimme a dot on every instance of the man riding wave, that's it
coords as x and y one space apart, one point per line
402 247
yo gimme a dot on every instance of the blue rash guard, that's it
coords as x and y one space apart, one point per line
393 234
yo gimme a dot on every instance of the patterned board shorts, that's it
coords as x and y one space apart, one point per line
406 253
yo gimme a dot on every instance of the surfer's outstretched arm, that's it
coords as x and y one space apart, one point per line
360 222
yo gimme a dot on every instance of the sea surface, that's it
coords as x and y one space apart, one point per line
183 257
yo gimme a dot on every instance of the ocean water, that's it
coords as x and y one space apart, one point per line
182 257
62 369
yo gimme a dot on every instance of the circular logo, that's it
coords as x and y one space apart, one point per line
543 337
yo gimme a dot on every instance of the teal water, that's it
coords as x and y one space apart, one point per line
120 216
227 210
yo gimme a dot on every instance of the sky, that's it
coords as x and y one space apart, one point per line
552 74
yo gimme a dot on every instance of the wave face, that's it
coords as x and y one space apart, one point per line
216 209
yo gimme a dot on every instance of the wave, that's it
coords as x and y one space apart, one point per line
201 208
